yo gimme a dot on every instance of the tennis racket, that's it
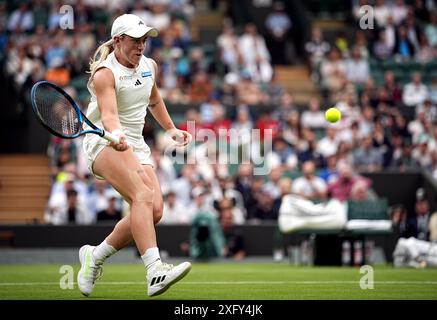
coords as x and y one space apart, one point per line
60 114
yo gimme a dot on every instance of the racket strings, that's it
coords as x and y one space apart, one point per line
56 111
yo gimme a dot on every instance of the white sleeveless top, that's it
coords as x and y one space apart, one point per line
133 87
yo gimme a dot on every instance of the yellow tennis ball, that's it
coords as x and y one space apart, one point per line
333 115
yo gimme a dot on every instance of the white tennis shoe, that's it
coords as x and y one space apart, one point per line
164 275
89 271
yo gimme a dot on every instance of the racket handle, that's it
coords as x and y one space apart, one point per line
110 137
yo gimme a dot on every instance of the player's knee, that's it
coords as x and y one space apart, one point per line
142 192
158 209
145 194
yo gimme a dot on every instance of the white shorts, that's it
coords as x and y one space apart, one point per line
94 144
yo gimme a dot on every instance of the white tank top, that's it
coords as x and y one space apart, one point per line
132 89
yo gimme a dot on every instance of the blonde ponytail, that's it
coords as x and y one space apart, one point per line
100 55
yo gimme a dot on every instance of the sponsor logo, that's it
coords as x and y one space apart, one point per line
122 78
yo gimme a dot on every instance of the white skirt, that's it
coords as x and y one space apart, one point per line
94 144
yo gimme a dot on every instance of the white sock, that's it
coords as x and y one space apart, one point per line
150 257
103 251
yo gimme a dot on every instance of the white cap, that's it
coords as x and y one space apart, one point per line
132 26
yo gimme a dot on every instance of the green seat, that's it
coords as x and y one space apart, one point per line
389 65
292 174
369 210
415 66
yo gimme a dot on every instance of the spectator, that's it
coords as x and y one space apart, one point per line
256 57
256 189
160 17
313 117
382 12
419 126
200 203
285 107
381 48
316 48
248 92
307 149
415 92
174 211
382 142
264 208
3 15
165 171
362 45
72 210
229 204
183 185
357 68
98 197
421 12
361 192
421 152
393 90
111 213
242 127
274 91
433 91
58 73
433 228
282 156
291 128
404 161
403 48
398 217
200 89
328 145
418 223
390 31
399 11
333 71
330 172
310 186
272 185
268 126
342 188
234 240
243 182
227 43
413 31
366 157
431 30
278 25
367 124
21 19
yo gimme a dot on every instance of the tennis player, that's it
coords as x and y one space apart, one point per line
122 86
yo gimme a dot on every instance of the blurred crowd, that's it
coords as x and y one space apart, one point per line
232 86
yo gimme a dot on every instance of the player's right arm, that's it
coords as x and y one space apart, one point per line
104 86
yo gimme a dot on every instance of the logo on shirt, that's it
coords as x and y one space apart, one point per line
146 74
125 78
138 83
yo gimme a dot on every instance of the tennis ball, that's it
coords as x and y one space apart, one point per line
333 115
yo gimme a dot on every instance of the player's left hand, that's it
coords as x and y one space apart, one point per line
181 137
